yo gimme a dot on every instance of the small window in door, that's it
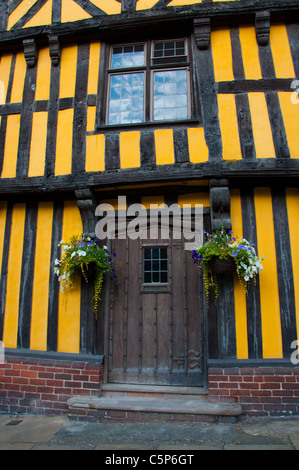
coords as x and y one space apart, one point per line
155 265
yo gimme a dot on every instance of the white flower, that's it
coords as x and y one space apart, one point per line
81 253
73 254
105 247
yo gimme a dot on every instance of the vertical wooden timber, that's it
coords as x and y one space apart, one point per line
52 119
80 110
4 9
253 304
27 274
56 11
112 155
53 284
293 35
3 280
284 269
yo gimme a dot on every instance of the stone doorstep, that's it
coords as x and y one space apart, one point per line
182 405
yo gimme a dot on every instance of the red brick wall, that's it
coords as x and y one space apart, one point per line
261 391
42 386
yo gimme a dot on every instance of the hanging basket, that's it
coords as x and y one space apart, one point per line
89 271
222 266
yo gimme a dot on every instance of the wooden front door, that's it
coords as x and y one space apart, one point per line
156 315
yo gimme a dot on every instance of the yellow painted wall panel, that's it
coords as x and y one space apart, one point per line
164 146
222 55
3 210
194 198
11 146
40 293
111 7
42 17
153 202
292 198
178 3
270 307
261 127
239 294
145 4
250 54
129 147
20 11
94 63
19 78
198 150
290 113
95 153
281 52
68 71
229 127
43 78
68 339
38 144
11 316
63 162
71 11
91 118
5 64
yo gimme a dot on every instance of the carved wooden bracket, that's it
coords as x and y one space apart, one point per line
30 52
262 27
202 32
55 50
220 204
87 206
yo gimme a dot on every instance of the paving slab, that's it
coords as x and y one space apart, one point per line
30 429
256 447
295 441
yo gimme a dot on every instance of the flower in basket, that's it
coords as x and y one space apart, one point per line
79 257
223 246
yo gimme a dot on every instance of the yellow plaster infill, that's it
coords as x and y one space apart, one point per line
11 315
19 12
145 4
261 127
71 11
198 150
111 7
19 78
63 161
95 153
5 65
38 144
222 55
250 54
3 210
290 113
292 197
129 147
42 17
153 202
43 78
93 73
164 146
91 118
281 52
11 146
68 338
40 294
194 198
178 3
229 127
270 307
68 71
239 294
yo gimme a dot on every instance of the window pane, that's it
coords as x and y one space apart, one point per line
127 56
169 49
155 265
126 103
170 95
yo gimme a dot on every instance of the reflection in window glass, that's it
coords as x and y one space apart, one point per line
127 56
170 95
126 104
155 265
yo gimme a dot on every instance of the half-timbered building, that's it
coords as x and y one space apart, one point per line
159 102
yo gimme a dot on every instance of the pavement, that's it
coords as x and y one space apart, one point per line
157 438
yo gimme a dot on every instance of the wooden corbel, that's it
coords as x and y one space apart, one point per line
87 207
262 27
220 204
55 50
202 32
30 52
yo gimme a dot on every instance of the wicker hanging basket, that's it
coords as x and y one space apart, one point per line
222 266
89 272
